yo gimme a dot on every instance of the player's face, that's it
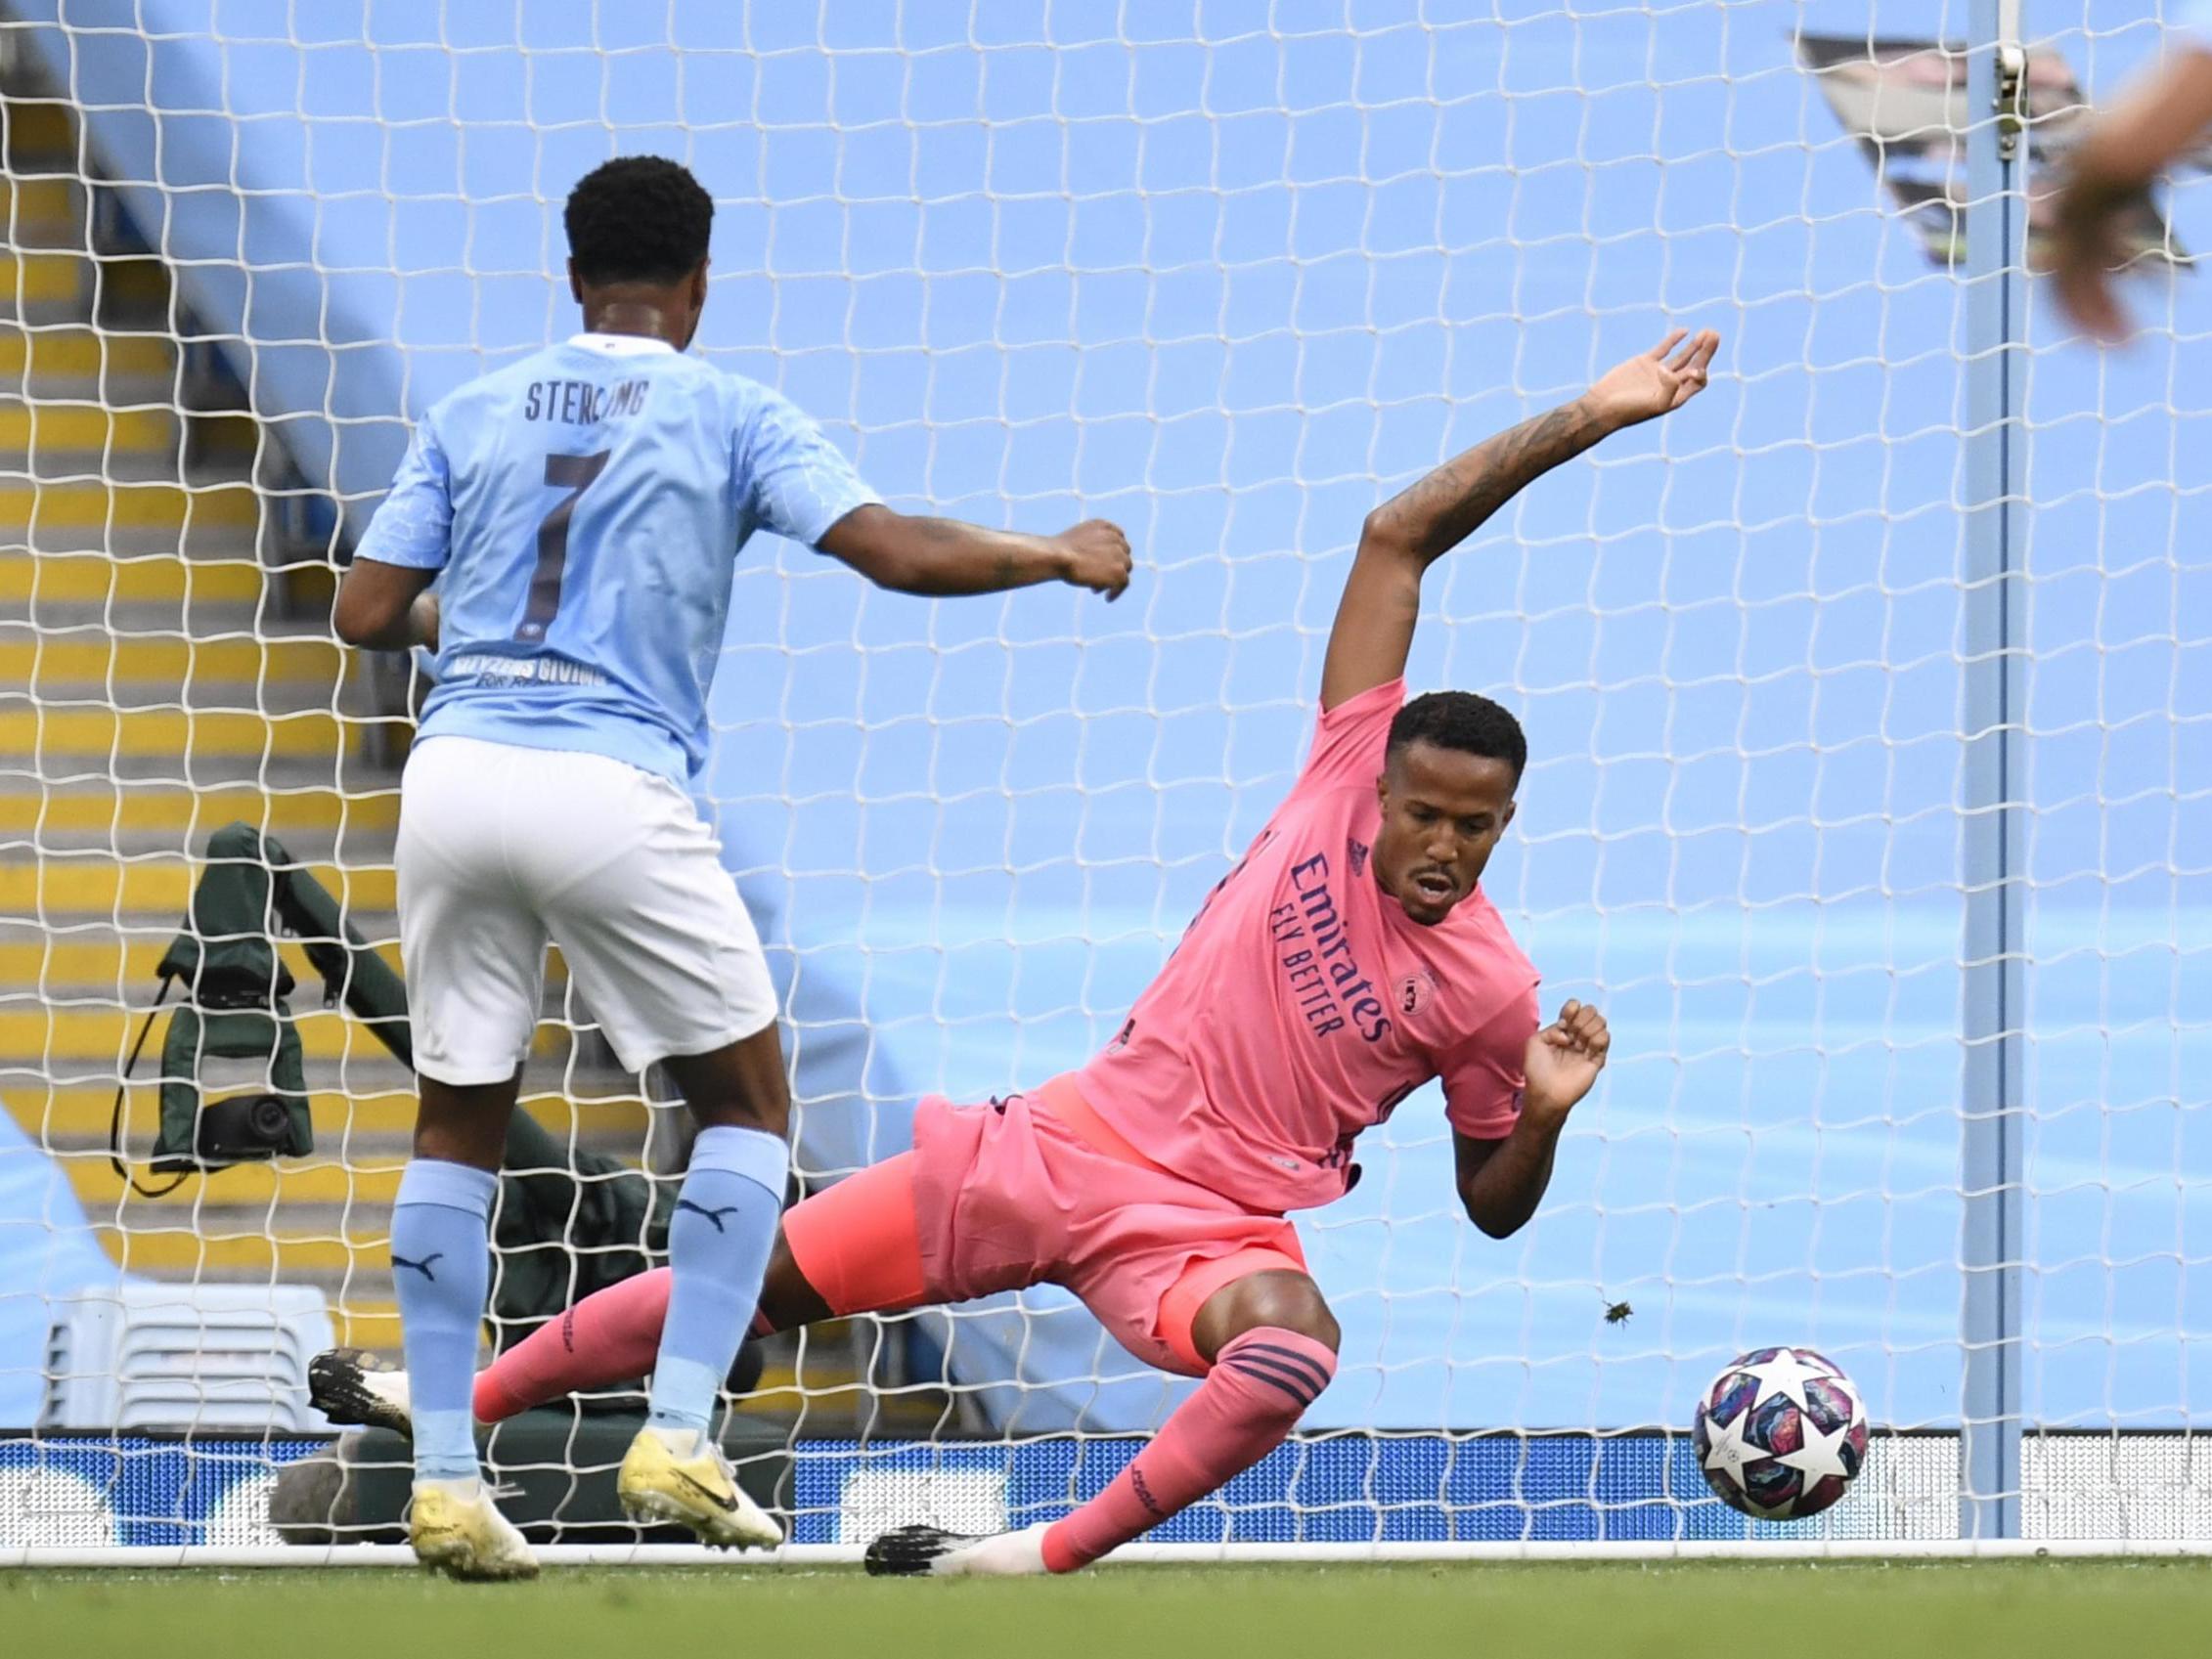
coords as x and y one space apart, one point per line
1443 810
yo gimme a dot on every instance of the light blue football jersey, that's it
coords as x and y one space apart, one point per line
587 506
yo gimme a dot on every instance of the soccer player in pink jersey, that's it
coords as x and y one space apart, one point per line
1350 957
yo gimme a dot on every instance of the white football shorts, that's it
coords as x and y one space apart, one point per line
502 848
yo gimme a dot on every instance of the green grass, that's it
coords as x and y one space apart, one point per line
1955 1610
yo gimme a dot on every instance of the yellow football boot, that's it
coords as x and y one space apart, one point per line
698 1492
466 1537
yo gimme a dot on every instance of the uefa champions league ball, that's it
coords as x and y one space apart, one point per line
1781 1433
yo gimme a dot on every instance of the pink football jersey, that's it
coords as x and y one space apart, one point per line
1304 1004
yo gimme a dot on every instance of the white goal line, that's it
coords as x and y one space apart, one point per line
143 1556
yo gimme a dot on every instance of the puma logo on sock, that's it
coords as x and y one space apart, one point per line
713 1215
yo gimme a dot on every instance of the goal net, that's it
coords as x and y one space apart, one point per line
1227 275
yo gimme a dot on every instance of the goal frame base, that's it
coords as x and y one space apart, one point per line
140 1557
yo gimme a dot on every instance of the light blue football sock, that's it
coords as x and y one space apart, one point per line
441 1268
718 1244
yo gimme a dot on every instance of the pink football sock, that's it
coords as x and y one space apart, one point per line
603 1338
855 1245
1249 1401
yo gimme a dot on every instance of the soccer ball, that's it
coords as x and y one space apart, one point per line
1781 1433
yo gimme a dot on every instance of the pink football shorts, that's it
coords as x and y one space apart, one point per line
1036 1189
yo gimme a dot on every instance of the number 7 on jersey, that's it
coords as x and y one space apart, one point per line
573 473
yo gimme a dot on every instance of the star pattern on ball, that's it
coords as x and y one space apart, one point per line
1728 1449
1819 1454
1775 1398
1787 1375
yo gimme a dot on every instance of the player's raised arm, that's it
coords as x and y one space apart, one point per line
801 486
1419 524
942 556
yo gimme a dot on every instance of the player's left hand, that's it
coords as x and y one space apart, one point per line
1657 382
1096 554
2082 253
1565 1059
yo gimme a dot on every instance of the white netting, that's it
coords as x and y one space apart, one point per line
1228 275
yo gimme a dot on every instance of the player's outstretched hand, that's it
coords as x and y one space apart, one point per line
2083 254
1098 557
1565 1059
1655 382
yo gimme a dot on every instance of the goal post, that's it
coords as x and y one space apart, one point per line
1993 1154
1865 703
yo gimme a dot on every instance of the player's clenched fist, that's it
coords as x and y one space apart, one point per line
1565 1059
1098 557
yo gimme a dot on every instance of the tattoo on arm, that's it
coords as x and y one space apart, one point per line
1442 511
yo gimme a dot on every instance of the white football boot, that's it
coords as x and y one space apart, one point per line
928 1551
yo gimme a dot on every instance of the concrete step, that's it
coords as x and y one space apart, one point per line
277 700
128 624
28 279
50 771
39 135
45 287
89 886
176 1245
89 967
31 508
29 206
115 969
66 1037
200 592
36 659
364 1321
81 428
85 729
99 577
108 817
362 1182
65 968
72 440
71 1039
374 1120
98 358
128 466
204 538
294 606
61 1033
29 727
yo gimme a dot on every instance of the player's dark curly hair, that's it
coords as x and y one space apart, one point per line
638 219
1463 720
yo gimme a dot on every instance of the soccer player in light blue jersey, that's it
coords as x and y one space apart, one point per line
585 508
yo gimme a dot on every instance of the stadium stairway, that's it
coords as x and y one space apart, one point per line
167 668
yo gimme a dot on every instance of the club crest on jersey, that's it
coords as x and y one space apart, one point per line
1415 992
1357 851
